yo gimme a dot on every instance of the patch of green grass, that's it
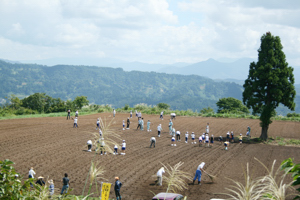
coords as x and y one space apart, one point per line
293 142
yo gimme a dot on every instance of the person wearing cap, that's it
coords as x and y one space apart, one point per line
90 144
31 175
159 176
193 138
118 186
75 122
226 144
51 187
199 173
40 181
123 147
159 129
241 138
153 141
66 183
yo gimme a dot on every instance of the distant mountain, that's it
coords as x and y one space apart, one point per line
103 85
10 61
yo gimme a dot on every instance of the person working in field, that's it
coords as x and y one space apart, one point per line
159 129
170 127
178 136
148 126
153 141
159 175
207 128
193 138
75 122
69 114
123 147
226 144
199 173
161 115
118 186
98 124
248 131
241 138
66 183
114 112
128 122
186 137
76 113
90 144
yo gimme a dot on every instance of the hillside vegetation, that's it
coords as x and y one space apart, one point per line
114 86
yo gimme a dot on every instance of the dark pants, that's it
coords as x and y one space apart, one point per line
118 195
152 142
75 124
158 133
68 116
138 126
29 176
177 137
128 125
89 147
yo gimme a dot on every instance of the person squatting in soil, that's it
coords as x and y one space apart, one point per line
178 136
153 141
226 144
40 181
66 183
118 186
173 141
199 173
159 175
200 140
90 145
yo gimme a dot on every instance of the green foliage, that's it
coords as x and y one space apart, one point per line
207 110
270 82
163 106
231 105
80 101
293 115
126 107
289 166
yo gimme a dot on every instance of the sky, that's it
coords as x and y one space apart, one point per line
149 31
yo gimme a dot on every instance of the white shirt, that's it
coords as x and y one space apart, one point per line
123 144
89 142
228 133
114 111
115 147
193 135
186 135
200 138
152 139
162 113
160 172
159 128
76 112
173 114
177 132
201 166
98 121
75 120
207 138
31 172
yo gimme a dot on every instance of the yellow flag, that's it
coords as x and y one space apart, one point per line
105 191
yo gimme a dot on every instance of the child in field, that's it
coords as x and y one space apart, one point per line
226 144
148 126
76 113
159 129
207 128
123 147
232 137
207 140
142 124
173 141
100 133
248 132
139 124
115 150
241 139
98 124
211 140
102 147
178 135
228 136
200 140
136 113
193 138
203 137
170 127
114 112
173 132
220 139
123 125
161 115
131 114
90 144
186 137
75 122
128 123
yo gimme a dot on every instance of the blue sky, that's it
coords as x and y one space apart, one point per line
149 31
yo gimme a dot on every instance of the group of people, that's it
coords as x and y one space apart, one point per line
41 182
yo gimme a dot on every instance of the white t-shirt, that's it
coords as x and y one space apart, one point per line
186 135
193 135
31 172
159 128
162 113
228 133
160 172
98 121
200 138
152 139
177 132
75 121
115 147
89 142
123 144
207 138
201 166
76 112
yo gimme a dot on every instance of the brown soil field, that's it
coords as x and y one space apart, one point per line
53 147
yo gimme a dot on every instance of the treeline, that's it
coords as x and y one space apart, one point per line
40 103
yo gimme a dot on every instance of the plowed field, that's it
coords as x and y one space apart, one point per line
53 147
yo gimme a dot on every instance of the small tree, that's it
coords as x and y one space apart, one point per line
207 110
163 106
270 82
81 101
231 105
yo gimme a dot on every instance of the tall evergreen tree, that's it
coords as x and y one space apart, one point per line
270 82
